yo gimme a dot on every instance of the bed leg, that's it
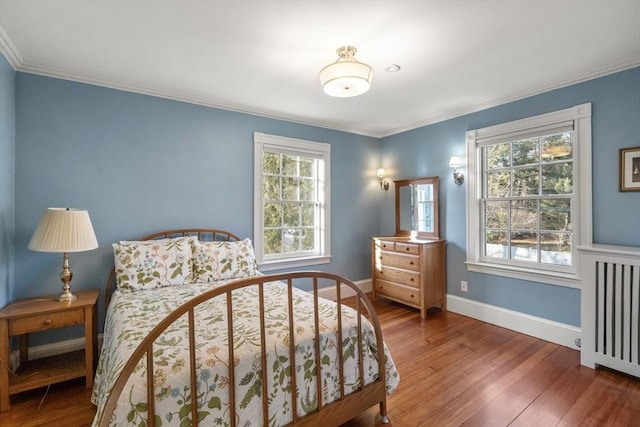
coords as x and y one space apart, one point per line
384 419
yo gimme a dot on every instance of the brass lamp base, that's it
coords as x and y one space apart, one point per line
67 296
66 277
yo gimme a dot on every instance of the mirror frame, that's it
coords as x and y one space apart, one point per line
433 180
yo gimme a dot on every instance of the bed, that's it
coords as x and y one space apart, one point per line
183 303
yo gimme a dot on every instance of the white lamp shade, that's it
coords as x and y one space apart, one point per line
64 230
454 162
346 79
381 173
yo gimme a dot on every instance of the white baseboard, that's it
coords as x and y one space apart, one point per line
548 330
345 291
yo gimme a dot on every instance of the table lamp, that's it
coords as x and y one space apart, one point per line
64 230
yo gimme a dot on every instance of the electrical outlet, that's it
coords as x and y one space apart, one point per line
464 287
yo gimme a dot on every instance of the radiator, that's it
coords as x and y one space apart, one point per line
610 307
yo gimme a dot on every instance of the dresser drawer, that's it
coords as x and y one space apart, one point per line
404 277
386 245
39 322
407 248
394 259
404 294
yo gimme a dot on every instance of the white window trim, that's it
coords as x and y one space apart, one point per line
316 149
581 215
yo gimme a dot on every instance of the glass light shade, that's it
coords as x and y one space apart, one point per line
454 162
381 173
345 79
64 230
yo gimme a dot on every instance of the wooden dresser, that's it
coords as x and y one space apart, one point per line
410 271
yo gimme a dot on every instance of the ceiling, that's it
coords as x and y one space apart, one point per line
263 57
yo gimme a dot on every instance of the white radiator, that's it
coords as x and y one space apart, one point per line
610 307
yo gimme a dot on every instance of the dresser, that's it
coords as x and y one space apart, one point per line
410 271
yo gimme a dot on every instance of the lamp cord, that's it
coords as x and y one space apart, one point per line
45 394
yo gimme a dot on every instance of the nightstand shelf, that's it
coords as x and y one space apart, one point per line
40 314
48 370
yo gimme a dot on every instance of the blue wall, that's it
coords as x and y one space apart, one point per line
141 164
7 180
616 216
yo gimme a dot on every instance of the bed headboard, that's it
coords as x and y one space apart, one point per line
205 234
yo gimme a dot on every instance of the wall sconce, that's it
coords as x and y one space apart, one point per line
384 183
454 163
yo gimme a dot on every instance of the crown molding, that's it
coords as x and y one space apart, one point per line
8 49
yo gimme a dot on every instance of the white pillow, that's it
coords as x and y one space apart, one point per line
214 261
150 264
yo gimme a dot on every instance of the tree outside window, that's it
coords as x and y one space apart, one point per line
291 202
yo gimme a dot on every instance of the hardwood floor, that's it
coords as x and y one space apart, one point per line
453 371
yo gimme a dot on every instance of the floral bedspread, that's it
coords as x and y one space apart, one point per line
132 315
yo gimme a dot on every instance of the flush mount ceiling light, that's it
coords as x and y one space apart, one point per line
346 77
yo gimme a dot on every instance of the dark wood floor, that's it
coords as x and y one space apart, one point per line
454 371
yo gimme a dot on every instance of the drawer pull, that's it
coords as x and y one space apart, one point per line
407 249
411 263
48 322
412 279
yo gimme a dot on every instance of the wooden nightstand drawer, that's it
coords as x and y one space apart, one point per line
40 322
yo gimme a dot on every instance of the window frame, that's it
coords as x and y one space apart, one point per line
581 200
291 146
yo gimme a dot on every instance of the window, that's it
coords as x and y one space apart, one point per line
529 198
291 223
424 208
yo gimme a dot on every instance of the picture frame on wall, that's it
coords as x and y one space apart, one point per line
630 169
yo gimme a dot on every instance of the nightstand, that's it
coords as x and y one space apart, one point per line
40 314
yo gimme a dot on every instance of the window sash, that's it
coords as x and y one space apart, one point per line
303 150
576 118
537 256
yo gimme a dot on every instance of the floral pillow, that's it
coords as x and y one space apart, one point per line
153 264
214 261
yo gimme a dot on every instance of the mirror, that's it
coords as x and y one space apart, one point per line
417 207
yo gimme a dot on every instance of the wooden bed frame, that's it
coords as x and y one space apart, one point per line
330 414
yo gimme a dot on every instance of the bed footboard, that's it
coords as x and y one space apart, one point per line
352 398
